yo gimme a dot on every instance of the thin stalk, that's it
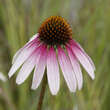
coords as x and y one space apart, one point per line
42 93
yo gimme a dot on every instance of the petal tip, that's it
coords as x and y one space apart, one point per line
93 76
54 92
73 91
9 75
33 87
18 82
79 88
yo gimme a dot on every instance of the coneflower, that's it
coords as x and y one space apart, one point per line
52 47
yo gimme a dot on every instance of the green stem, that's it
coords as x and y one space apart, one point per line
42 93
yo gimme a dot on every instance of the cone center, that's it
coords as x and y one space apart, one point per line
55 30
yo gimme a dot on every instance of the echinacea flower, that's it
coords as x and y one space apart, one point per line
52 47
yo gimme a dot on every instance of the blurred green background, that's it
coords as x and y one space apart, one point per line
90 21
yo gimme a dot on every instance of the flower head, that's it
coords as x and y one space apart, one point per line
52 47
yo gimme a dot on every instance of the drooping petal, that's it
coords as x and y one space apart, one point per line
67 70
39 69
83 60
21 58
53 71
28 66
80 47
76 67
90 60
26 69
31 41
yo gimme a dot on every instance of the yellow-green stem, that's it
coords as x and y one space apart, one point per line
42 93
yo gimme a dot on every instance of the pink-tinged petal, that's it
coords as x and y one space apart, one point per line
28 66
67 70
53 71
26 70
83 60
39 69
76 67
80 48
26 46
21 59
90 60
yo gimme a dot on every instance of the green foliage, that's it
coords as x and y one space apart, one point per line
90 20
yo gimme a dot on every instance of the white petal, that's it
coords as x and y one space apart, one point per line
53 72
26 70
76 68
84 61
39 70
2 77
67 70
25 46
21 58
